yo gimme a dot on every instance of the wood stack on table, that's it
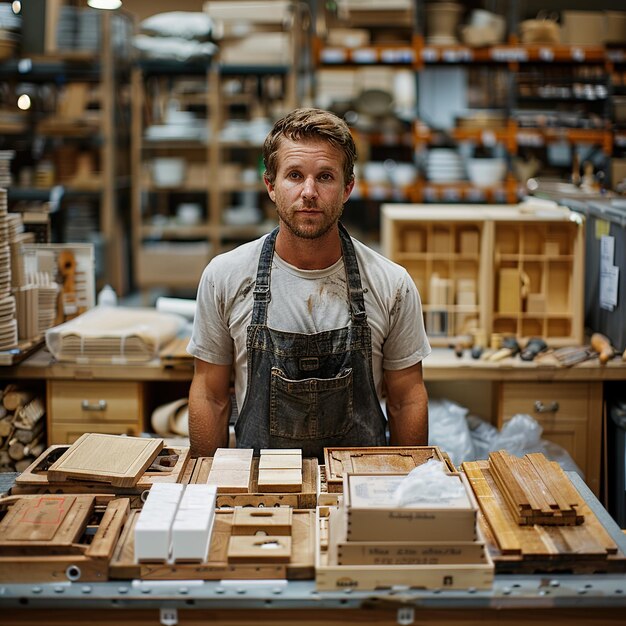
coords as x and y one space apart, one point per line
535 521
22 428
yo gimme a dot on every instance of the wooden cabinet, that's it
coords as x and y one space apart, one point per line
77 407
570 414
511 269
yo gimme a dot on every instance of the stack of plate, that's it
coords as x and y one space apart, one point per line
67 25
444 165
15 226
8 323
47 306
5 167
5 270
88 30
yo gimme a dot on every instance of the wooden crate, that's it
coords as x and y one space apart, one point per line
371 516
330 576
300 565
59 544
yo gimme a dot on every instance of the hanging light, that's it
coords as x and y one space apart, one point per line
110 5
23 102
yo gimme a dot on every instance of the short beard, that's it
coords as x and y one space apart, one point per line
305 233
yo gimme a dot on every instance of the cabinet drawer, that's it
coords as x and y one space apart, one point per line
61 432
544 401
95 402
569 413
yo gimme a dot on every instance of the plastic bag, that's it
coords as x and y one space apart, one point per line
448 429
428 484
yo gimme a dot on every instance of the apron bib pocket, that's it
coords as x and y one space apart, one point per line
312 408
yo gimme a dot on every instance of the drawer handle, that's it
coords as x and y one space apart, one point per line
540 407
101 405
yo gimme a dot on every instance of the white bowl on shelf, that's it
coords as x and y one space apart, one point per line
168 171
485 173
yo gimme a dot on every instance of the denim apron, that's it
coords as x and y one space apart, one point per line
310 391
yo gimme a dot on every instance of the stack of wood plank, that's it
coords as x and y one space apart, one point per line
535 521
536 490
22 428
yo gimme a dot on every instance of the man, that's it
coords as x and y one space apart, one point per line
312 321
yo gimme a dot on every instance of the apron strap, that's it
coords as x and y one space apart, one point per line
261 291
355 287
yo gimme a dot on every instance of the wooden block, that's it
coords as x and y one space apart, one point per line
230 470
256 549
440 241
280 480
469 242
551 248
263 520
229 481
280 461
535 303
509 294
113 459
288 451
414 240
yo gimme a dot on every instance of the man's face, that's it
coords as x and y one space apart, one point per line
309 190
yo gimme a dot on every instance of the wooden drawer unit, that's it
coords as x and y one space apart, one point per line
77 407
569 413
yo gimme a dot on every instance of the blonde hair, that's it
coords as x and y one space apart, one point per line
310 123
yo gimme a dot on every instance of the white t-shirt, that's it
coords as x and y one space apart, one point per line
306 301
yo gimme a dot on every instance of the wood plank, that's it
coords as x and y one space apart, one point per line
116 460
496 517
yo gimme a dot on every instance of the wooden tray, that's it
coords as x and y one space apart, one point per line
113 459
583 549
299 567
50 538
330 576
306 499
380 460
169 466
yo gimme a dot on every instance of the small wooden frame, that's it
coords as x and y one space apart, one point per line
116 460
378 460
50 538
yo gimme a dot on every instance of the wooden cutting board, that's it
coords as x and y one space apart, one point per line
44 521
119 461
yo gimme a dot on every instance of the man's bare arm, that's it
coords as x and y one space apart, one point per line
407 406
209 408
